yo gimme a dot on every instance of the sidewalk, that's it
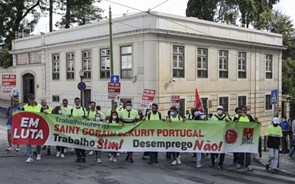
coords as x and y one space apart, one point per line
287 165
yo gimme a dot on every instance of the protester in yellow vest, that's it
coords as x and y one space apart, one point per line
274 135
48 110
79 111
129 115
32 106
91 114
174 116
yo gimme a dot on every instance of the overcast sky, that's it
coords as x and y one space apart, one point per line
176 7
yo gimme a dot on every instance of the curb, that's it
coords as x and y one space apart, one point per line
262 162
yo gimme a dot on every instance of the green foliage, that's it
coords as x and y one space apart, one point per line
76 12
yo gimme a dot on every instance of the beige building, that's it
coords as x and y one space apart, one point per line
173 55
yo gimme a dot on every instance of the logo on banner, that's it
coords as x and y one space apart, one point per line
231 136
248 136
32 129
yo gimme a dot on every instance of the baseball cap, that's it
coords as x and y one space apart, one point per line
31 96
276 121
220 107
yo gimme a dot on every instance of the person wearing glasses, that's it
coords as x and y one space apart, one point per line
14 107
129 115
65 108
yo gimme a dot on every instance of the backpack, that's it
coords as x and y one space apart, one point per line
159 114
83 112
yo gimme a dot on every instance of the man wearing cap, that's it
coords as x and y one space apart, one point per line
273 140
32 106
219 116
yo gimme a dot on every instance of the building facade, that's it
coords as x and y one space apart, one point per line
173 55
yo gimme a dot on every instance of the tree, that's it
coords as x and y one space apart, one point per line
13 20
229 11
78 12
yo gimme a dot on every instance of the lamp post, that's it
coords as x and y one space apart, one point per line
81 74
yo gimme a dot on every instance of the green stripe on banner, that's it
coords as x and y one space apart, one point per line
162 136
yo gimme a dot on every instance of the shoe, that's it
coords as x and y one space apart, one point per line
143 158
83 160
118 154
48 152
275 170
9 149
178 161
249 168
114 160
174 162
29 160
267 167
131 160
90 153
98 161
78 160
62 155
199 165
239 166
17 149
127 158
58 154
219 166
38 157
111 158
150 162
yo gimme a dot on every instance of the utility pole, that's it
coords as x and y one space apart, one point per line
111 41
50 15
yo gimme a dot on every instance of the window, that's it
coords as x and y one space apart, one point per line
105 64
202 63
22 59
55 67
224 102
34 57
242 101
55 98
268 66
126 61
178 62
86 59
268 105
223 64
242 74
70 57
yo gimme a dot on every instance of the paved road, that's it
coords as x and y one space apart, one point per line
52 170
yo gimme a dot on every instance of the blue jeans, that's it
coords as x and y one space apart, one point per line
29 150
200 158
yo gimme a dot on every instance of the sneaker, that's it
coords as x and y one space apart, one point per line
267 167
118 154
115 160
249 168
58 154
178 161
83 160
90 153
174 162
29 160
239 166
111 158
219 166
17 149
38 157
62 155
199 165
131 160
275 170
9 149
98 161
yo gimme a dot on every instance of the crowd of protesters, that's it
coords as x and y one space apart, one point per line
125 113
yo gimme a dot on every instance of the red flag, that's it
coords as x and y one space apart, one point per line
198 102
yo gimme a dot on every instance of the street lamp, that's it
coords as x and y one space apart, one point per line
81 74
